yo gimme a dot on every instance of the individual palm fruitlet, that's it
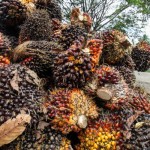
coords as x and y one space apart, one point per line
115 47
104 133
4 61
12 12
38 56
141 56
52 8
70 110
73 68
20 93
36 27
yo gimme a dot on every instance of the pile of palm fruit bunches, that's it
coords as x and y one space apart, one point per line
66 87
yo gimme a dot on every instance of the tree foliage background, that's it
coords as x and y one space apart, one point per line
128 16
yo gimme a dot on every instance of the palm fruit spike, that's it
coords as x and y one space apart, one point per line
81 19
12 12
72 68
51 6
4 45
69 34
141 56
95 49
104 133
69 110
38 56
20 92
107 74
115 47
140 132
37 27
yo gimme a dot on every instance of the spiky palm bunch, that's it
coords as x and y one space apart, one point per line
141 56
115 47
69 110
73 68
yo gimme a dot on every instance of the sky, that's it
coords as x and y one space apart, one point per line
147 28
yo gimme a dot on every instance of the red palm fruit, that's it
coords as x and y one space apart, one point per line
4 61
102 133
95 49
69 110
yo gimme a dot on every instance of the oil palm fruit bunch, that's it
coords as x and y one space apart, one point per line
141 56
115 46
94 47
140 137
107 74
20 93
37 55
82 19
36 27
73 68
104 133
69 34
70 109
12 12
51 6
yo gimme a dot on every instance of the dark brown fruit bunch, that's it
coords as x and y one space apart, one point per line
141 56
104 133
69 35
20 92
115 47
72 68
52 8
36 27
38 56
69 110
12 12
